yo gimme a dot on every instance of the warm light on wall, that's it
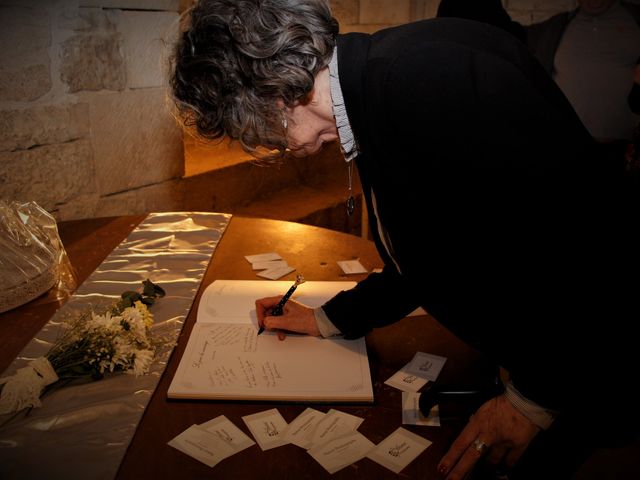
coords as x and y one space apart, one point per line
201 156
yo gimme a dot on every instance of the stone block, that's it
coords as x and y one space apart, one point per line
25 70
147 38
93 62
423 9
345 11
136 141
43 125
538 16
49 175
82 206
371 28
163 197
522 17
88 20
385 12
164 5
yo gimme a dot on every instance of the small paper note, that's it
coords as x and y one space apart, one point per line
411 414
406 381
342 451
267 428
426 365
275 273
399 449
351 267
227 432
202 445
299 431
269 264
415 374
334 424
263 257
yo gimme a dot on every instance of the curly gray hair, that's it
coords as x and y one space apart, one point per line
238 60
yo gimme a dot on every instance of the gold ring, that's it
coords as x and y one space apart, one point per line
480 446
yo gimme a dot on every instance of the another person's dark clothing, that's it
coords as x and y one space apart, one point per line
464 136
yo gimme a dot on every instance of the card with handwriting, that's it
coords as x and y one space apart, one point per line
276 272
426 365
269 264
342 451
414 375
263 257
351 267
334 424
399 449
228 432
411 414
406 381
267 428
299 431
202 445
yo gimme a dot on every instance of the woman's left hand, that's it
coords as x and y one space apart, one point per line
497 430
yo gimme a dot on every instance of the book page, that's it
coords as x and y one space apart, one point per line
226 359
233 301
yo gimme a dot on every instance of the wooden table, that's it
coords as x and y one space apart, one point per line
314 252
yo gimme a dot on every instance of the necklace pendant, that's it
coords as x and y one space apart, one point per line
351 205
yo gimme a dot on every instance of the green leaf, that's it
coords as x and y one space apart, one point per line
152 290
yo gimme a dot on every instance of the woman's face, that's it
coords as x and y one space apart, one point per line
312 124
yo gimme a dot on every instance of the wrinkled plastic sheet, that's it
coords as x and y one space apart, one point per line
83 430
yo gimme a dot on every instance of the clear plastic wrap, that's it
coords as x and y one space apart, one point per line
33 260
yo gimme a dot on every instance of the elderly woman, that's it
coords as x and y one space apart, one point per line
457 131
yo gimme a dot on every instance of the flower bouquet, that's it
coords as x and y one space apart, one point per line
93 344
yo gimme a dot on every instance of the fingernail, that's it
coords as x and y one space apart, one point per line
443 468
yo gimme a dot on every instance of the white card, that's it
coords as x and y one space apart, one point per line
202 445
269 264
351 266
406 381
426 365
342 451
415 374
299 431
263 257
411 414
275 273
399 449
334 424
227 432
267 428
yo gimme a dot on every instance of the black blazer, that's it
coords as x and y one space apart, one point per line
465 137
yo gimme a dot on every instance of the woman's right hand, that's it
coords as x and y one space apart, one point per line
295 317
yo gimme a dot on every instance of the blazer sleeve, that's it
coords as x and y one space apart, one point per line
379 300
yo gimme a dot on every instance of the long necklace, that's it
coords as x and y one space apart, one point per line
351 203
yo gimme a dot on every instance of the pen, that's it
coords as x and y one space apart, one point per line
277 310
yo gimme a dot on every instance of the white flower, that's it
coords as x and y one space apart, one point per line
142 362
91 344
135 323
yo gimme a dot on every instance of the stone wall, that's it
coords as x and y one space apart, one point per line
85 128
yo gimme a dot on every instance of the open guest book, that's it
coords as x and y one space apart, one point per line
225 357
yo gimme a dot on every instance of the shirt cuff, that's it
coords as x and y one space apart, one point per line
325 326
540 416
